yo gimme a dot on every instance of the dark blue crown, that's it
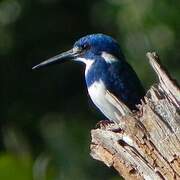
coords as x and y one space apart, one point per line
97 43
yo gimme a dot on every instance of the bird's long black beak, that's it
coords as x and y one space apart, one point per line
57 59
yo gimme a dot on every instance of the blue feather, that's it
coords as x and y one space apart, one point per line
119 79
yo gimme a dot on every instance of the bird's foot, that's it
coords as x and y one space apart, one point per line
103 123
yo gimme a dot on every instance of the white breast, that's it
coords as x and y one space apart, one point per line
97 92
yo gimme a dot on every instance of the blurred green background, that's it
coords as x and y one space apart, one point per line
46 116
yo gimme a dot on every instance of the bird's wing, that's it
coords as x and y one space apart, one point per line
124 84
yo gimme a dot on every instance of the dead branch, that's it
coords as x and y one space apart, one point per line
145 144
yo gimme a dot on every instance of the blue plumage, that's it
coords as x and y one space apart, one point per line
119 79
97 43
106 71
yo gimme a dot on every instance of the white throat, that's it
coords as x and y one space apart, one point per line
87 62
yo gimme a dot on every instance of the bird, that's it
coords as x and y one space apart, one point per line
106 70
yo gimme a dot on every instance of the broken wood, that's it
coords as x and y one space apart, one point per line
145 144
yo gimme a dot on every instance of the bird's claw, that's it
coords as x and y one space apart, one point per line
103 123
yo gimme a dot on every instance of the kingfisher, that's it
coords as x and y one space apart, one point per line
106 70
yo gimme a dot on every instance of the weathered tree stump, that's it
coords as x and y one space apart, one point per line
145 144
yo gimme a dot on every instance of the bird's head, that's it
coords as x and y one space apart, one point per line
87 49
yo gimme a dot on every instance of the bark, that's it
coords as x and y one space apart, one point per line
144 144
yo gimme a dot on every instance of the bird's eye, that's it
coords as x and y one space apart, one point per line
85 46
